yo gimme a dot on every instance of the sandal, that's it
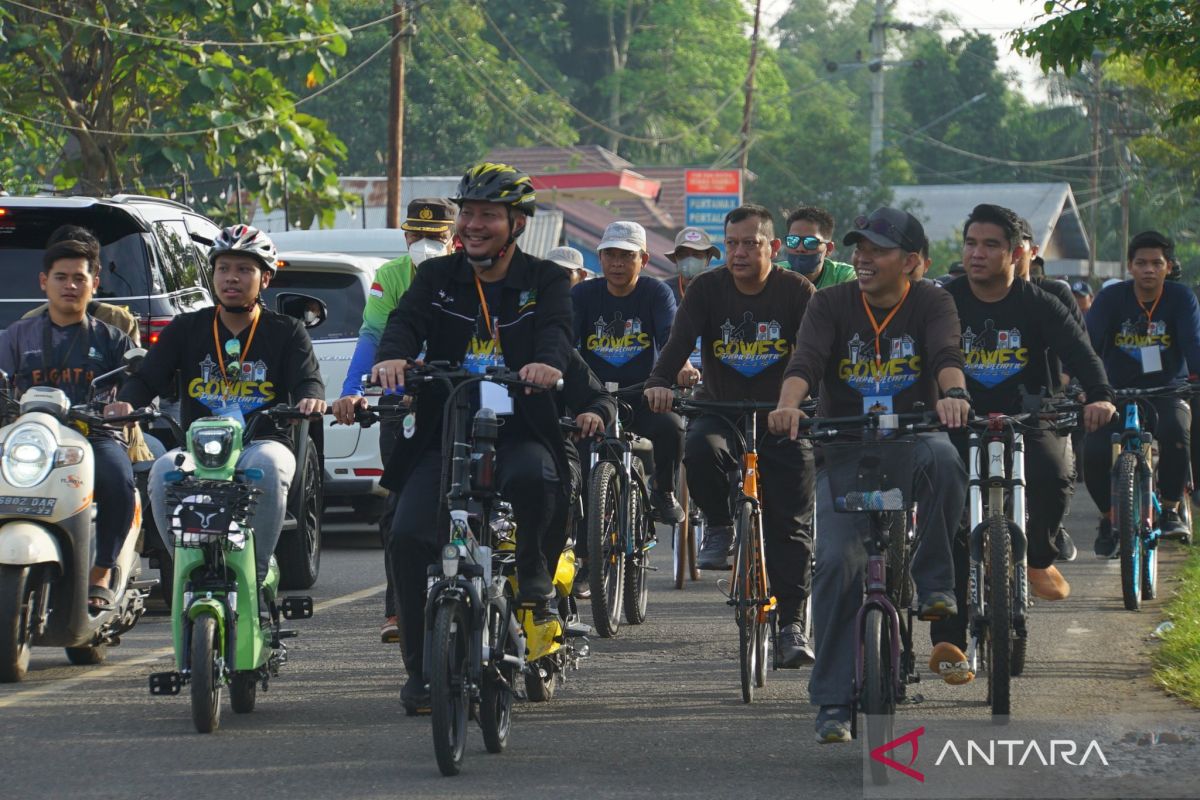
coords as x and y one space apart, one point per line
100 598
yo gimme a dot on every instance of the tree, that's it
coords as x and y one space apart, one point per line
130 93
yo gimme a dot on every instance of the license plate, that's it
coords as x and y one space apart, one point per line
28 506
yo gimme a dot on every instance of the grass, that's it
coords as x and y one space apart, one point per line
1177 662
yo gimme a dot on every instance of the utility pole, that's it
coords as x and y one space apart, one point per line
878 50
749 107
400 33
1094 113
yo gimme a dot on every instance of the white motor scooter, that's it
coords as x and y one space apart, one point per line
48 533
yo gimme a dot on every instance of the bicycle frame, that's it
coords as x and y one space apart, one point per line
743 486
617 448
1135 439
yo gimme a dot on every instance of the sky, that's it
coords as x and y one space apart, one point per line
995 17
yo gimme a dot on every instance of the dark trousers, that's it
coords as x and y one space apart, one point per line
388 431
113 490
1170 419
525 477
711 452
665 432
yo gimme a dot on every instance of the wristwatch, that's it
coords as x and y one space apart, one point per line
958 394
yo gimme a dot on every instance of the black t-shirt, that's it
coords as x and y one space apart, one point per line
1010 344
620 337
277 367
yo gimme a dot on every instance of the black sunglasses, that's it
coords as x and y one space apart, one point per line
795 241
884 228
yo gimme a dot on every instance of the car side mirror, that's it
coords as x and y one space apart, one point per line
306 308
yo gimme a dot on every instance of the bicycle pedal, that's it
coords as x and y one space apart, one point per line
577 629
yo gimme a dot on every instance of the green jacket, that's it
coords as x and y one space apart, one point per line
391 281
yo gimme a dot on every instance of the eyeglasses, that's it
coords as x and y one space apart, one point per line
795 241
885 228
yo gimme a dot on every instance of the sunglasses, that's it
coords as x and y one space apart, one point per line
885 228
795 241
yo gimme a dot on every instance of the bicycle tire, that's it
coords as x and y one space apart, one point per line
999 589
681 534
1150 552
747 615
605 551
1128 504
762 633
496 691
1019 650
448 685
878 699
636 580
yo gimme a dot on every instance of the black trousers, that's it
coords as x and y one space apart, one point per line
1170 420
113 487
665 432
525 477
786 475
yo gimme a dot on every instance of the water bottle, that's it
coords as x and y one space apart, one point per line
484 432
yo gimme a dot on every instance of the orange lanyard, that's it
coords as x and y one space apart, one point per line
877 326
1150 314
226 384
487 317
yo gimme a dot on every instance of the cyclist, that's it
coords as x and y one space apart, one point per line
808 245
428 230
621 324
882 342
1147 331
489 304
571 260
1011 332
234 360
66 347
693 254
746 315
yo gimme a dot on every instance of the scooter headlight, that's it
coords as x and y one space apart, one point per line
28 455
213 446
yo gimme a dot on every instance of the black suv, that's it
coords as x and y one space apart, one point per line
153 254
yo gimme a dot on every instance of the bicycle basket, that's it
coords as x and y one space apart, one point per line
870 476
210 513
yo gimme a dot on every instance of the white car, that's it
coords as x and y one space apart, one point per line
341 282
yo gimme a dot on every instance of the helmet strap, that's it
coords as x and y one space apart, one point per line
488 263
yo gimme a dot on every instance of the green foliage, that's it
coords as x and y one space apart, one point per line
1177 662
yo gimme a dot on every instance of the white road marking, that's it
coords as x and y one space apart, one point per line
37 692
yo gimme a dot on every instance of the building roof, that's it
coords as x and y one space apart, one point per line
580 158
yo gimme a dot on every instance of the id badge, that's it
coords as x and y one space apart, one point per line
495 397
1151 359
878 404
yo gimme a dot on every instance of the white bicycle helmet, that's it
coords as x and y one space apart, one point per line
245 239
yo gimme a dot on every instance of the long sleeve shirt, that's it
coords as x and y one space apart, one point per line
391 281
620 337
1144 346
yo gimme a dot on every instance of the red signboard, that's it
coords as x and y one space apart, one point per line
713 181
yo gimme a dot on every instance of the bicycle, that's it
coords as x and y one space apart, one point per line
749 592
686 537
881 487
1136 505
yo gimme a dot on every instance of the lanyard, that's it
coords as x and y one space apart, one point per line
487 317
226 384
1150 314
877 326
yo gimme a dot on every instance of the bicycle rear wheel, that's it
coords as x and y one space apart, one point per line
1128 501
999 593
605 550
448 685
681 536
878 697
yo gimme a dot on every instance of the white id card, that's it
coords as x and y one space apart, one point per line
1151 359
495 397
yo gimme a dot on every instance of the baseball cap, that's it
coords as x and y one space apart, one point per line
567 257
623 235
1081 288
429 215
694 239
1025 228
889 227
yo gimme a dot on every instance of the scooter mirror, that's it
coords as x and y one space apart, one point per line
133 359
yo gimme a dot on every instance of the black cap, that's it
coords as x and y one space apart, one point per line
1025 228
430 215
1081 288
889 227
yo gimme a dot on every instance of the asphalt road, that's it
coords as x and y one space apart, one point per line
654 712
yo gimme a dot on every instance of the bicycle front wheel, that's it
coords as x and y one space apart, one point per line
496 692
878 697
637 564
999 593
751 633
1128 501
448 685
605 549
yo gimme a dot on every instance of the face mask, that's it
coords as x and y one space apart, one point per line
804 263
691 266
311 317
425 249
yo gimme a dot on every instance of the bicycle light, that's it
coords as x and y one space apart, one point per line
450 560
213 446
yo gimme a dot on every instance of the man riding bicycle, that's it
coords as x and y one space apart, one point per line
234 360
879 344
1147 331
489 305
746 315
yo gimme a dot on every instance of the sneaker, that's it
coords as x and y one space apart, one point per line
415 696
718 547
582 589
1171 523
390 632
1048 583
666 507
951 663
1067 551
1106 545
535 588
793 647
833 724
936 605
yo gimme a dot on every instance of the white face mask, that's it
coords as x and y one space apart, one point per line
691 266
424 249
311 317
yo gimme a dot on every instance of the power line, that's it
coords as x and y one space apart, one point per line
203 131
1009 162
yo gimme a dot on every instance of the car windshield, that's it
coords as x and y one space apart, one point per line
343 294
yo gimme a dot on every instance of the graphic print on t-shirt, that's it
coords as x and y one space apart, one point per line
993 356
882 377
618 341
244 386
1136 334
483 349
751 345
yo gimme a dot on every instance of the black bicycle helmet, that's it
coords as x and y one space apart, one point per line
498 183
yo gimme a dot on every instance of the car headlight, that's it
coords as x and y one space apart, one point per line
213 446
28 455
